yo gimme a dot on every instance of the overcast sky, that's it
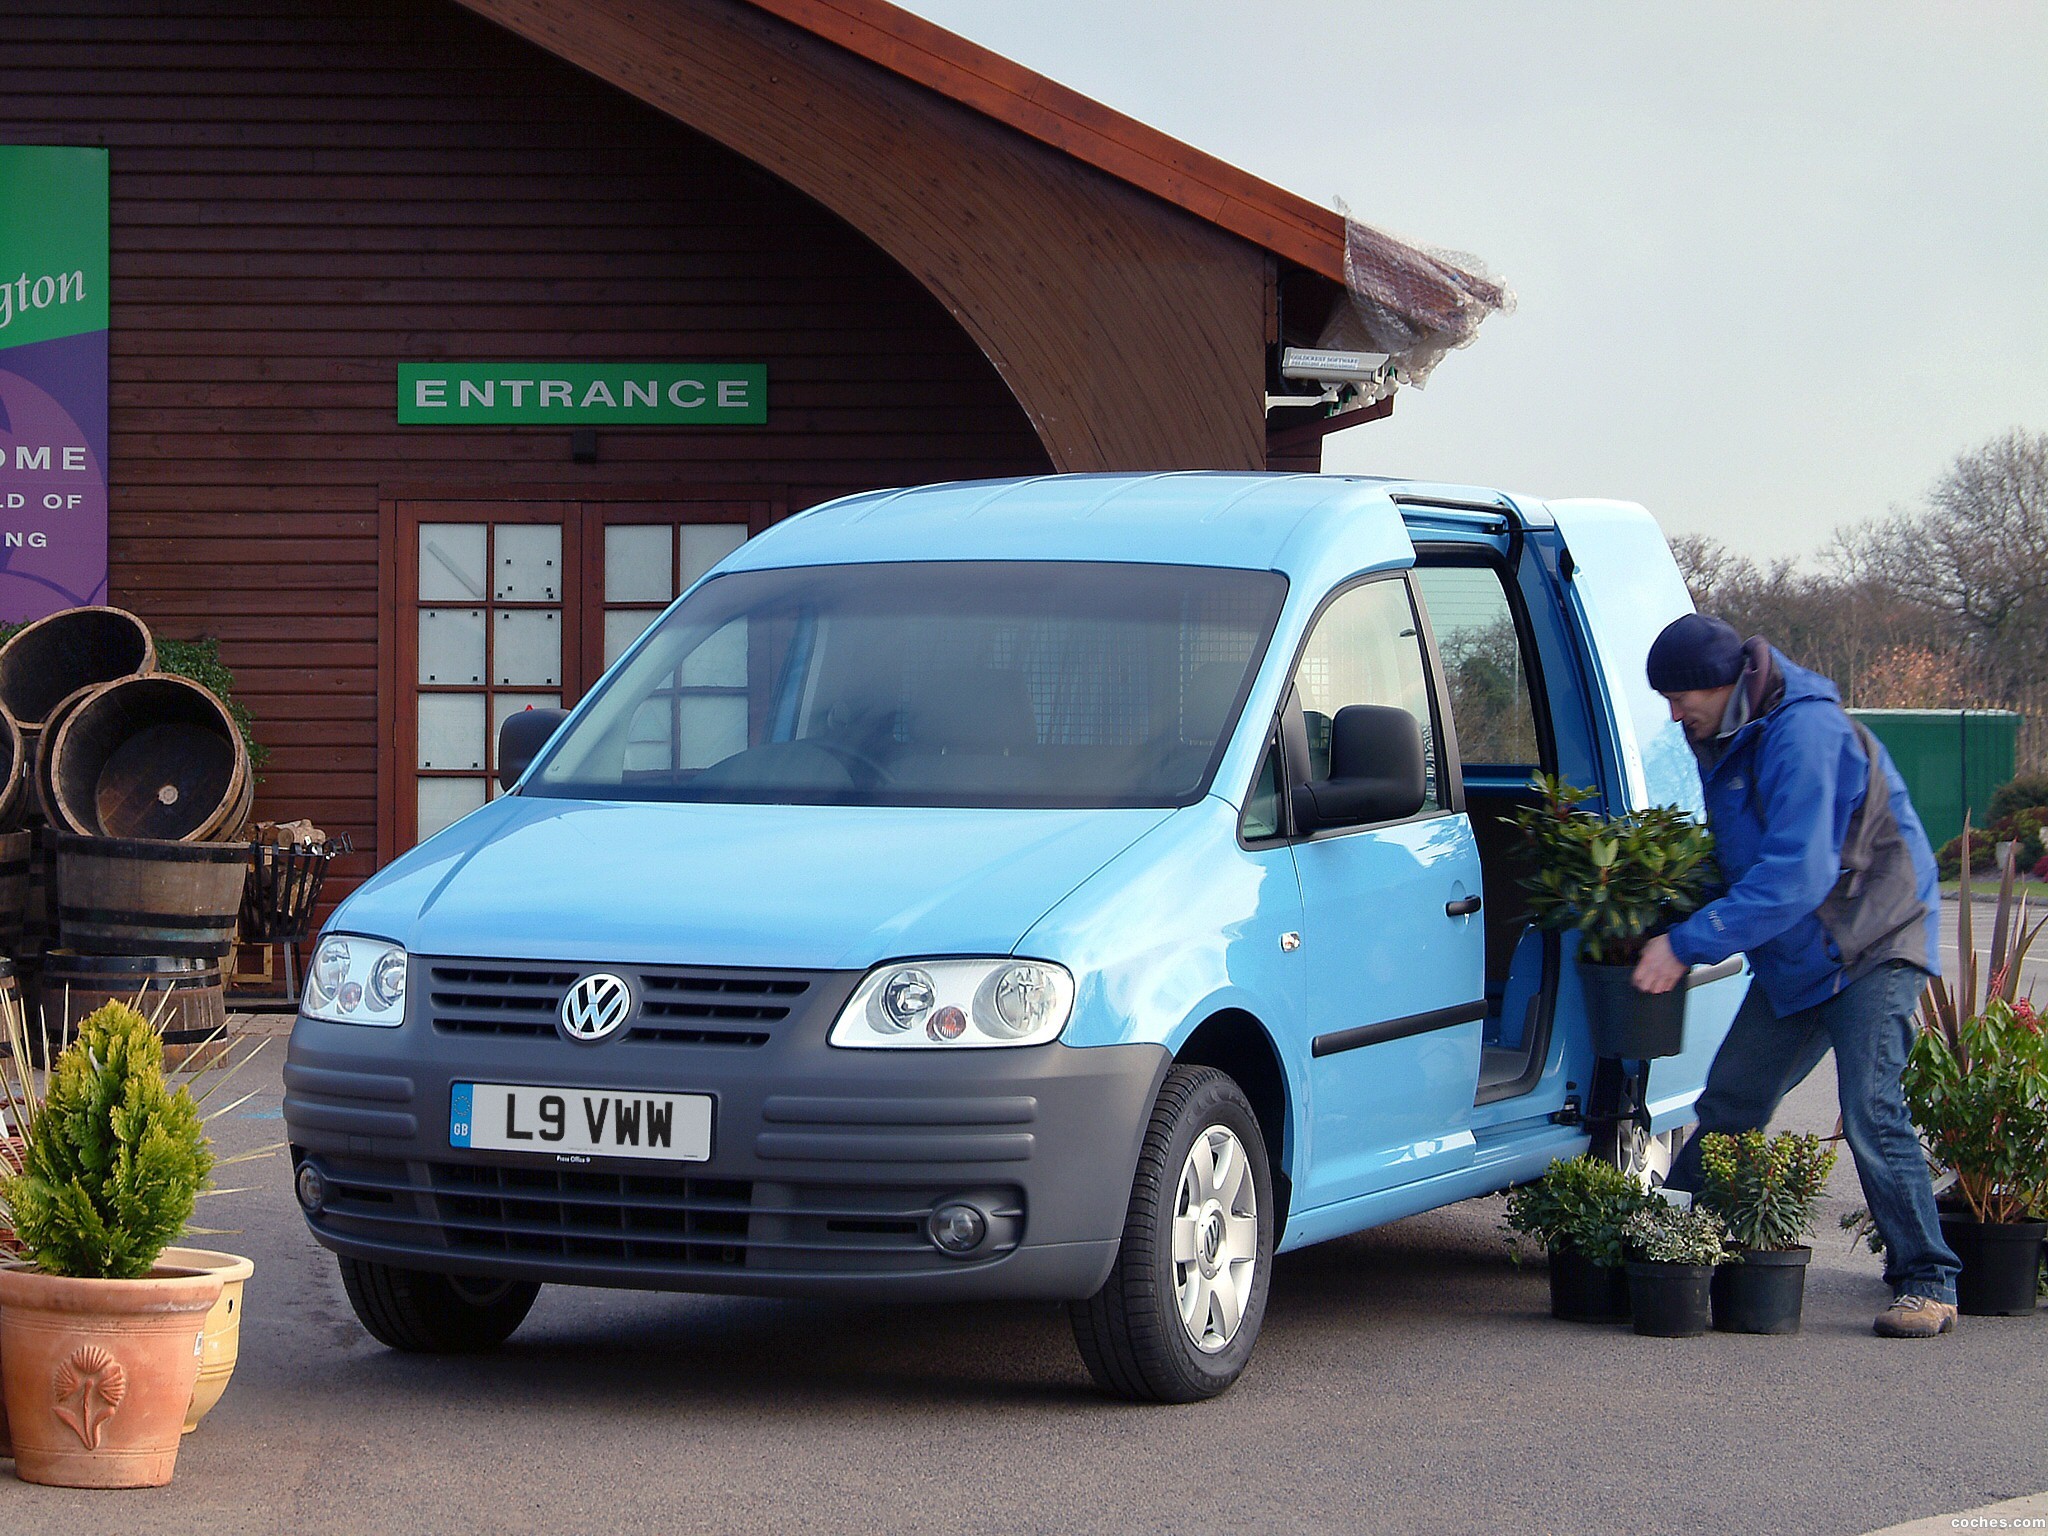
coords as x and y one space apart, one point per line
1777 263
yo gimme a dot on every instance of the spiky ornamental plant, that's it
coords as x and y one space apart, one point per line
1766 1188
115 1160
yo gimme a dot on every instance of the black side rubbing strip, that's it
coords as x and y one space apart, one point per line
1397 1029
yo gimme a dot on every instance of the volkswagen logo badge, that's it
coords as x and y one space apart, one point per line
596 1006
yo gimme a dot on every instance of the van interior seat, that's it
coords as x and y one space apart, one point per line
969 728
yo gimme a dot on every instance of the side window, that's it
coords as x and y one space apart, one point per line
1366 649
1262 807
1485 672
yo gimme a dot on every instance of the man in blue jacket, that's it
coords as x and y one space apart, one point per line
1831 892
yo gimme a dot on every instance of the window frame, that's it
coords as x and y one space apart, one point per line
583 513
1288 724
1485 557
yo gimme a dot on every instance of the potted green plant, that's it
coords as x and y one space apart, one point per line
1616 881
99 1344
1766 1190
1977 1085
1577 1211
1673 1253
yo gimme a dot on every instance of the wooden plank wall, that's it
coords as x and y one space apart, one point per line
1132 331
308 192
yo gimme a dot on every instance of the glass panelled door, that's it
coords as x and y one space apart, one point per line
490 625
509 606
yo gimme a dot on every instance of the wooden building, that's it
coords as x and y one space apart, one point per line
947 265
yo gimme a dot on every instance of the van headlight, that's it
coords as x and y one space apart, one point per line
355 980
933 1004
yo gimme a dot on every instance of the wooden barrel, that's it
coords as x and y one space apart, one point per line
140 896
42 791
51 659
39 905
14 761
184 998
154 757
17 863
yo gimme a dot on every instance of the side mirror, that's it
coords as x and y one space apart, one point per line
520 739
1376 771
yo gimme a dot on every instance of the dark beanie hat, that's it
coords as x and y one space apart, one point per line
1697 651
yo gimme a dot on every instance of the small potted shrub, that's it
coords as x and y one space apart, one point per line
1977 1085
1766 1190
1577 1211
99 1344
1616 881
1673 1251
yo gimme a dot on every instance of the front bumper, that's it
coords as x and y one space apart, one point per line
825 1163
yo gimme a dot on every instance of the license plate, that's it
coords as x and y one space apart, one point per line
580 1122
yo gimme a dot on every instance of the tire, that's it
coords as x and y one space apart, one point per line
1634 1150
431 1314
1168 1330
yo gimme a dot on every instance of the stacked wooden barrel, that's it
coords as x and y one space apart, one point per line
120 787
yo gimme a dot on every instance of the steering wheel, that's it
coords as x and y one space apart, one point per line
861 768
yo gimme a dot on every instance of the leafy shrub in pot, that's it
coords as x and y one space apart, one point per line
1615 881
1977 1085
1673 1251
1767 1191
1577 1211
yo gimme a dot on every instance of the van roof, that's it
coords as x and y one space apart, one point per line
1257 521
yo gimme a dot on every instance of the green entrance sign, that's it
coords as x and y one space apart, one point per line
582 394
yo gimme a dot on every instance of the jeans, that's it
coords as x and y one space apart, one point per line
1870 1026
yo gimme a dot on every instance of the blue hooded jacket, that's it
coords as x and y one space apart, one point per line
1779 800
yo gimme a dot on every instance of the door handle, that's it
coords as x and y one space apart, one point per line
1464 906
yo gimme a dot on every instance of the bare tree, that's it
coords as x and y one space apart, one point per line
1850 627
1976 554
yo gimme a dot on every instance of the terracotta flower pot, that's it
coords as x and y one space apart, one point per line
222 1342
98 1373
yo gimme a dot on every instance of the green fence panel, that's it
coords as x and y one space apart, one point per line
1953 760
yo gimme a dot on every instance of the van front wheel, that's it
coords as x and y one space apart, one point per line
1176 1319
433 1314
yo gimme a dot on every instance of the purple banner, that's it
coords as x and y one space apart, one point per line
53 476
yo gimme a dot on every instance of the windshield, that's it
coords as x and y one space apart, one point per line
928 683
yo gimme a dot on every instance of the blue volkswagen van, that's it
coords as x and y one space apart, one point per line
1080 888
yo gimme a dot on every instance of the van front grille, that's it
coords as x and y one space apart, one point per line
676 1006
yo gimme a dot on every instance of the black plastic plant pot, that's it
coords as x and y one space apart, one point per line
2001 1264
1761 1292
1630 1024
1669 1301
1584 1292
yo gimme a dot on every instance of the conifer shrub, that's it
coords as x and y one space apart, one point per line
115 1159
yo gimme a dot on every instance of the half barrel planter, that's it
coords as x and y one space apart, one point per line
156 757
17 855
13 771
183 998
53 658
98 1374
143 896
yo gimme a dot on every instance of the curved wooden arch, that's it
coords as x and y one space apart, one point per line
1132 332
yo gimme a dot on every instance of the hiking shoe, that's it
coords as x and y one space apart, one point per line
1914 1317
